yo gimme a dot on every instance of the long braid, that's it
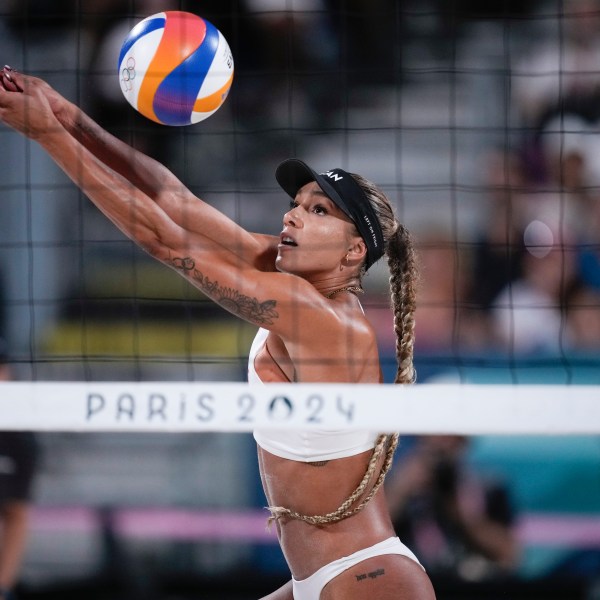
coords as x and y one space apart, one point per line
402 265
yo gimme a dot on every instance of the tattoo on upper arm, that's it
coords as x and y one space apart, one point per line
261 313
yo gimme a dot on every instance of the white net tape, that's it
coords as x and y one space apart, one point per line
203 406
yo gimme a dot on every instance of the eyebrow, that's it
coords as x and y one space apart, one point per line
317 191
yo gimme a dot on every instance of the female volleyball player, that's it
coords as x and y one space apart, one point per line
300 288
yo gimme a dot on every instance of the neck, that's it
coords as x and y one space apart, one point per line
351 289
329 286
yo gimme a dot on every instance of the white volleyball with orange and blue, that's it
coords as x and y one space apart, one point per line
175 68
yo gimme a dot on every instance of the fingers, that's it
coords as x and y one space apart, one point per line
8 80
8 84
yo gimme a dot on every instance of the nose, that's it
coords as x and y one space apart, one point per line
293 218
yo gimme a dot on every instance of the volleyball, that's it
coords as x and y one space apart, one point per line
175 68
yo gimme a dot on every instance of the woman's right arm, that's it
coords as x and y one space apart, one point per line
141 170
149 176
216 254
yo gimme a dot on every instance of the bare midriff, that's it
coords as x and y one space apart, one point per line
318 490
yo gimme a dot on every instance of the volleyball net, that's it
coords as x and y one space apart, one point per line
480 126
480 122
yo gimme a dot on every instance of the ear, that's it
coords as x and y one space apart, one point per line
357 251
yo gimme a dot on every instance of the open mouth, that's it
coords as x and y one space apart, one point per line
287 241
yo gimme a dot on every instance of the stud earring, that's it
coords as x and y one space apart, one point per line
345 259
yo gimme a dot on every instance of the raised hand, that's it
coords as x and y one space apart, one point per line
28 104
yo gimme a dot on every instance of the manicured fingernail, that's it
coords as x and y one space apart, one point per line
8 68
7 75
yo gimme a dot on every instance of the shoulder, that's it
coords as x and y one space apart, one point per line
305 317
342 326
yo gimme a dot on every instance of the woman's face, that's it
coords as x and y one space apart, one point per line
316 235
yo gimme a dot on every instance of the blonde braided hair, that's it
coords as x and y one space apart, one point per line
403 280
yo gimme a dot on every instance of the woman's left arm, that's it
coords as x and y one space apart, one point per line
141 175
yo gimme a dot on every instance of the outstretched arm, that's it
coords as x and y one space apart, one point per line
216 255
146 175
143 171
29 111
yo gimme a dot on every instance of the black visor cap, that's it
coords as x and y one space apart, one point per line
341 188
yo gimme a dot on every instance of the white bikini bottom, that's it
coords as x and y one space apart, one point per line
310 588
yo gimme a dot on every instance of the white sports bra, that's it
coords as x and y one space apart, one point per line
306 446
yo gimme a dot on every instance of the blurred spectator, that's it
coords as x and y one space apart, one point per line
458 524
589 240
498 244
498 253
558 75
18 453
589 259
293 48
562 73
444 267
569 152
528 313
300 34
583 318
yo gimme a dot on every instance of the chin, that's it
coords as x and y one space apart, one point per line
285 266
291 267
279 266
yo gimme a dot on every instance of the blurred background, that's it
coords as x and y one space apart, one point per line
480 121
